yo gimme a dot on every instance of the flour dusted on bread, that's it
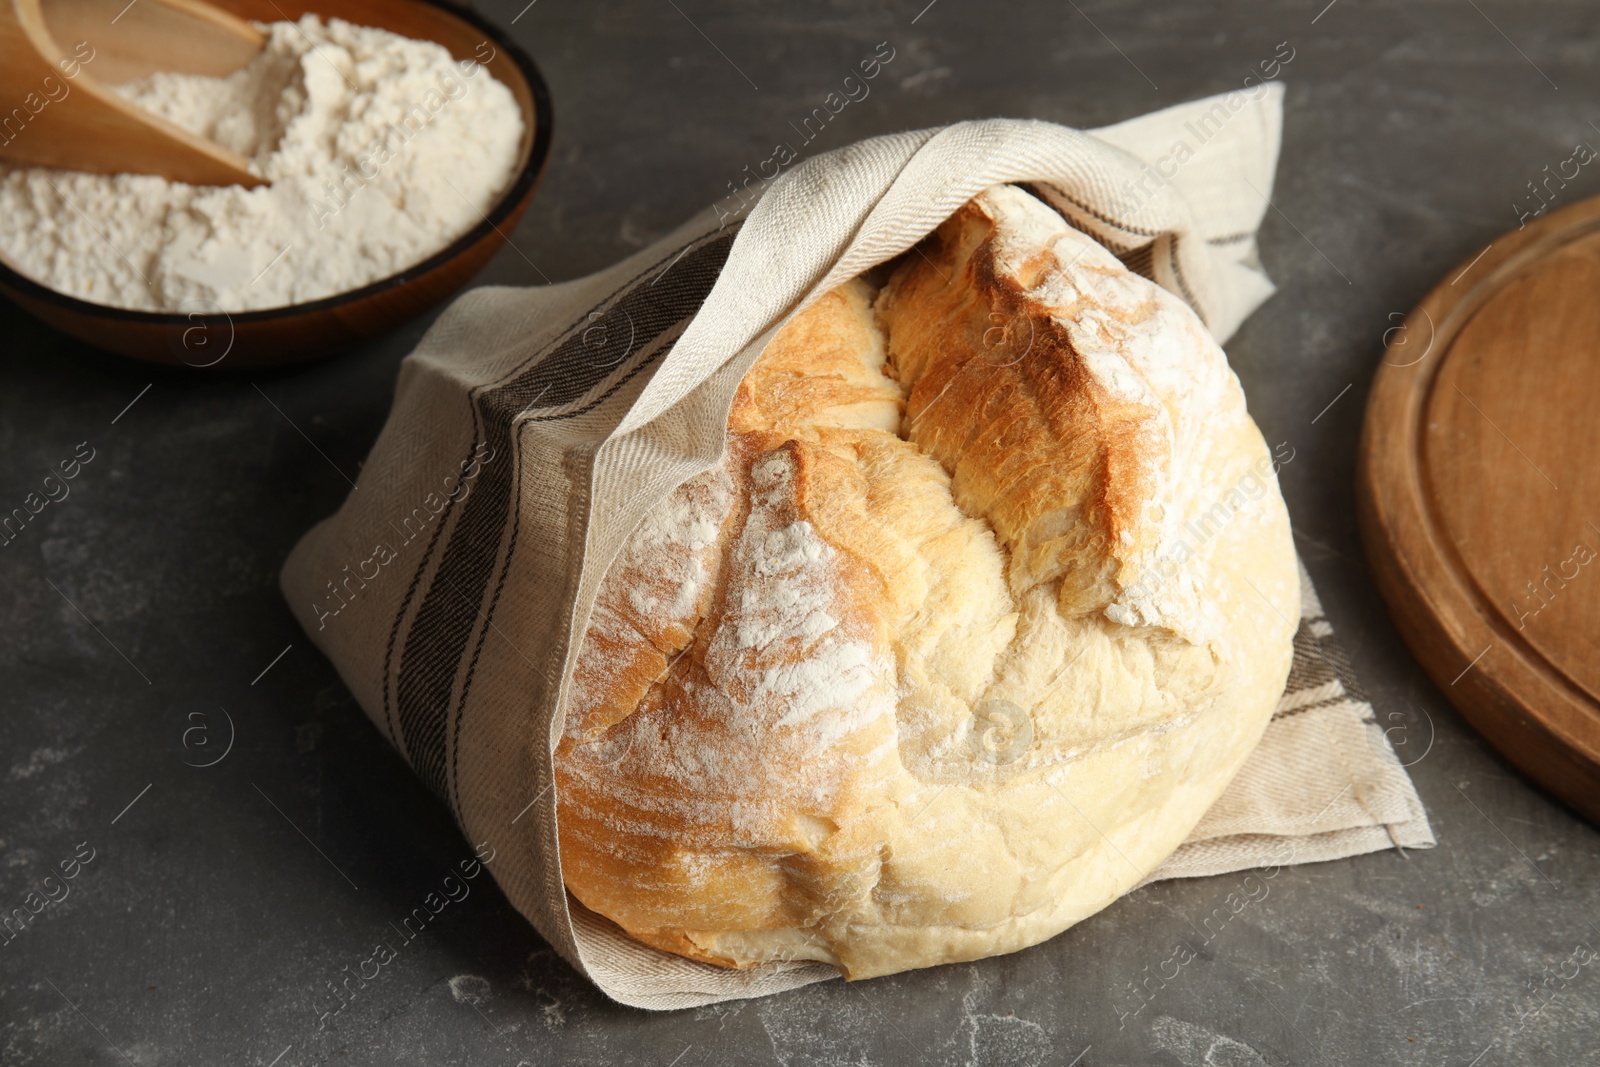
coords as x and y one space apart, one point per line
913 676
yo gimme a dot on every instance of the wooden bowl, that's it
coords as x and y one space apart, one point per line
300 332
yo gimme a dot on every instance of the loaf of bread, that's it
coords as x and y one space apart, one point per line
990 598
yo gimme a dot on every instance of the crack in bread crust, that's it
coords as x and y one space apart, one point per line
945 509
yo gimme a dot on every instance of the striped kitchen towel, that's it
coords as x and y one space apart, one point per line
533 428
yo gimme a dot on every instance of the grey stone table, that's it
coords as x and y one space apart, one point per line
221 900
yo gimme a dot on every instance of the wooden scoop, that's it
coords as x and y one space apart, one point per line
56 109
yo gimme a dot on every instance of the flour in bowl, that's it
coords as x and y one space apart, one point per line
381 150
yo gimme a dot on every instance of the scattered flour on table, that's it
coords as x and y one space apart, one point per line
381 150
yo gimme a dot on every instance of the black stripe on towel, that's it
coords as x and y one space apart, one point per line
437 647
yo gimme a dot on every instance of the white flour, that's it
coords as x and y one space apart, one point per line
381 150
782 629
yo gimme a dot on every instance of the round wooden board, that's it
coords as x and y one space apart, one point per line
1478 495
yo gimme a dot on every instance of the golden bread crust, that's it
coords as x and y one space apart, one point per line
937 661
